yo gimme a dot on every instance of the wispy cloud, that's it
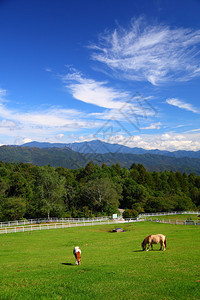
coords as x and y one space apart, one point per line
118 103
9 125
183 105
50 118
2 93
153 126
193 130
94 92
154 53
40 123
55 123
49 70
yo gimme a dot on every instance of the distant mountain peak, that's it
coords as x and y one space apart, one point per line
68 158
101 147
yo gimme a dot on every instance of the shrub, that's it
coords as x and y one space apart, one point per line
130 213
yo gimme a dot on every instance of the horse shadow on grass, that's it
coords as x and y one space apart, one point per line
67 264
154 250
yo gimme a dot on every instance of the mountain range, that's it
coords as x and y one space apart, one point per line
77 155
99 147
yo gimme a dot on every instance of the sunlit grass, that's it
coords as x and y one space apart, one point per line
40 264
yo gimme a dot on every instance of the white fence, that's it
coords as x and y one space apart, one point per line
75 220
169 213
60 225
176 222
55 223
50 220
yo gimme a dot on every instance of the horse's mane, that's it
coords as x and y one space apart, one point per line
146 239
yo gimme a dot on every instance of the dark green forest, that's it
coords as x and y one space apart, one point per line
29 191
67 158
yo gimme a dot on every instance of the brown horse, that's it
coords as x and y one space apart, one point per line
154 239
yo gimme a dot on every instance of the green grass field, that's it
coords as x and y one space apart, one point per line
40 264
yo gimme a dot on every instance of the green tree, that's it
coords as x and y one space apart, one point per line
159 204
4 186
117 168
134 195
89 168
195 195
156 181
99 195
173 183
12 208
19 185
71 187
183 202
50 190
197 182
134 174
142 179
164 181
130 213
191 180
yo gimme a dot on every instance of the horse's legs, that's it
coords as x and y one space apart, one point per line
164 248
162 245
151 246
148 246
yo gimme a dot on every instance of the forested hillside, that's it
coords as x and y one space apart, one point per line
101 147
67 158
28 191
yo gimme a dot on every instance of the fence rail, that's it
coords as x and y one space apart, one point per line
55 223
50 220
60 225
169 213
176 222
75 220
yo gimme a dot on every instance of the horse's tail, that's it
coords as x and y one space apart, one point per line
165 242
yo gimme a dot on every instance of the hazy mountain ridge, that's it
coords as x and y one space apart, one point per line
97 146
70 159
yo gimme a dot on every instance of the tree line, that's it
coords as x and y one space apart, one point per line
29 191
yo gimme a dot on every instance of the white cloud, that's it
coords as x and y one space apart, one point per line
153 126
183 105
94 92
53 117
40 124
26 140
49 70
2 93
117 103
169 141
154 53
59 136
55 123
9 125
194 130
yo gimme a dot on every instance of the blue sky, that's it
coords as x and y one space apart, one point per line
121 71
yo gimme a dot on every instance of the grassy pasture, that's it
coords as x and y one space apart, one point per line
40 264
